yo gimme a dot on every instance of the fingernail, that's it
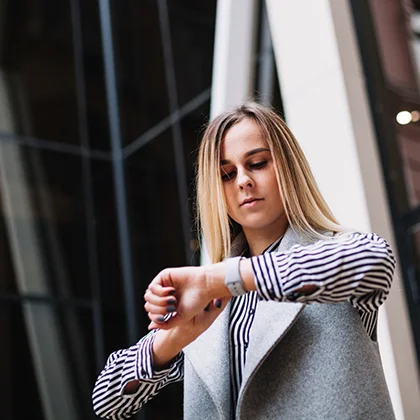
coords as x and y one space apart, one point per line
218 303
161 319
171 302
170 309
172 292
207 308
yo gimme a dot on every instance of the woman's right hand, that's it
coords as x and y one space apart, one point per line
168 343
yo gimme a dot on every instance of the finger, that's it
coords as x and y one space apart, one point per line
162 310
169 321
220 303
153 299
152 326
159 290
160 319
214 310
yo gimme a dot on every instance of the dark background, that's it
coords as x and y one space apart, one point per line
101 109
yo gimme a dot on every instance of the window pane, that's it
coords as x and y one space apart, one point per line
141 72
154 209
109 281
47 356
37 71
44 226
409 145
192 126
192 26
400 96
18 372
93 65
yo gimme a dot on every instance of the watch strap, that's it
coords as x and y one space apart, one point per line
233 279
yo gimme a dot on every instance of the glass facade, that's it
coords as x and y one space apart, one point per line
101 106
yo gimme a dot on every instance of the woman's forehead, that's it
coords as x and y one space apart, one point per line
244 128
242 137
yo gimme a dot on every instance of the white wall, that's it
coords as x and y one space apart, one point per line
233 54
327 108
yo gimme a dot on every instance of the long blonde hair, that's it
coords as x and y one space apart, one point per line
305 208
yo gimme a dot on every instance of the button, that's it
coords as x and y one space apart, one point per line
252 311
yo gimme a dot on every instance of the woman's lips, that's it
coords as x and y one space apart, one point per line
251 203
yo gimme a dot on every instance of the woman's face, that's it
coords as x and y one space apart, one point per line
249 181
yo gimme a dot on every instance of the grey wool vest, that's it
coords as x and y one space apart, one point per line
303 362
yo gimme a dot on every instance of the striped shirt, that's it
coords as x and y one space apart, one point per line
357 268
241 318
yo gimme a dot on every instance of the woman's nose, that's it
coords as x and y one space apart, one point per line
244 180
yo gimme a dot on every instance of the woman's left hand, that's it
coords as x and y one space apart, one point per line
183 292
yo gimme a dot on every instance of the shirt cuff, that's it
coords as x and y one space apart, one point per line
144 363
267 280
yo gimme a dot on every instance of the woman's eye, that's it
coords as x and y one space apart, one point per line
226 176
258 165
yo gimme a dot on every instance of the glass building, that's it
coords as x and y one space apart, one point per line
102 104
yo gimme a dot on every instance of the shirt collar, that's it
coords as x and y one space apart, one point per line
272 247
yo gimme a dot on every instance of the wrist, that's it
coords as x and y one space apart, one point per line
214 276
247 275
166 346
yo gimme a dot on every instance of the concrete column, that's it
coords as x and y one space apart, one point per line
234 53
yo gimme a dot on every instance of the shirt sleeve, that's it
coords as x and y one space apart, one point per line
126 365
356 267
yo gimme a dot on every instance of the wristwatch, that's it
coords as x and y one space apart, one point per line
233 279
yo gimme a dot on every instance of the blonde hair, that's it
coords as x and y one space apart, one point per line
305 208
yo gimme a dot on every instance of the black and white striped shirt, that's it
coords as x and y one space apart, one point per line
241 318
357 268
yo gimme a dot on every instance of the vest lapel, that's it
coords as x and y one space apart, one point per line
209 354
272 320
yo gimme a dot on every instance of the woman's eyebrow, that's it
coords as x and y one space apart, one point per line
247 154
254 151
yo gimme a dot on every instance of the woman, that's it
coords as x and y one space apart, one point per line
240 332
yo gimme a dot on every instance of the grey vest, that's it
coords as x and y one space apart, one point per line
303 362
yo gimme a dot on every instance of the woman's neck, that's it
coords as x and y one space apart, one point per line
259 240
